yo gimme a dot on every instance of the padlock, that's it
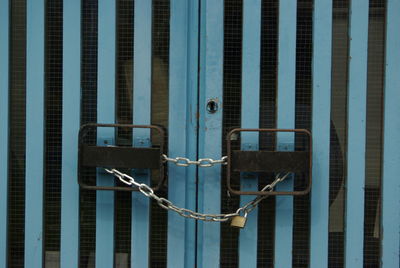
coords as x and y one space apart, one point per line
238 221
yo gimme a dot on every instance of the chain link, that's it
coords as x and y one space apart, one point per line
203 162
187 213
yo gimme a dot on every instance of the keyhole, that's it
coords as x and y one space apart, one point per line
212 106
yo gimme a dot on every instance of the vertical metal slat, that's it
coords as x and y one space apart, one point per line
192 111
391 147
210 127
285 119
70 127
321 69
34 133
250 119
357 105
141 137
4 129
105 114
182 136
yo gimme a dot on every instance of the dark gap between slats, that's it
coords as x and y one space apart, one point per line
123 200
232 70
53 125
17 91
159 116
373 171
268 86
338 139
301 206
87 206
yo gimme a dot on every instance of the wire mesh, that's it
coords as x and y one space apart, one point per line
376 53
17 90
53 106
159 116
232 107
233 12
338 135
303 115
124 91
233 21
87 206
268 85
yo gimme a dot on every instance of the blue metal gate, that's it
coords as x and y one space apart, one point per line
199 69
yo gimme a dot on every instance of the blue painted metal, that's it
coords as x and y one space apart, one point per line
105 114
357 105
183 126
210 128
321 68
141 116
391 136
34 133
4 129
70 127
250 119
192 111
140 228
286 120
182 129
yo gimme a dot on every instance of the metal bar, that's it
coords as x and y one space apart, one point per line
270 161
285 119
391 151
177 131
121 157
140 226
357 105
281 167
192 126
34 133
105 114
321 93
182 128
210 127
250 119
4 128
70 128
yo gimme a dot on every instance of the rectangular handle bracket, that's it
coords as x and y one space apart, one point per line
119 157
299 162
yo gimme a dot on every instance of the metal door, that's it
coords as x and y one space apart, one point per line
199 69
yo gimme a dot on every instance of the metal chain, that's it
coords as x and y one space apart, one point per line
248 207
187 213
203 162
